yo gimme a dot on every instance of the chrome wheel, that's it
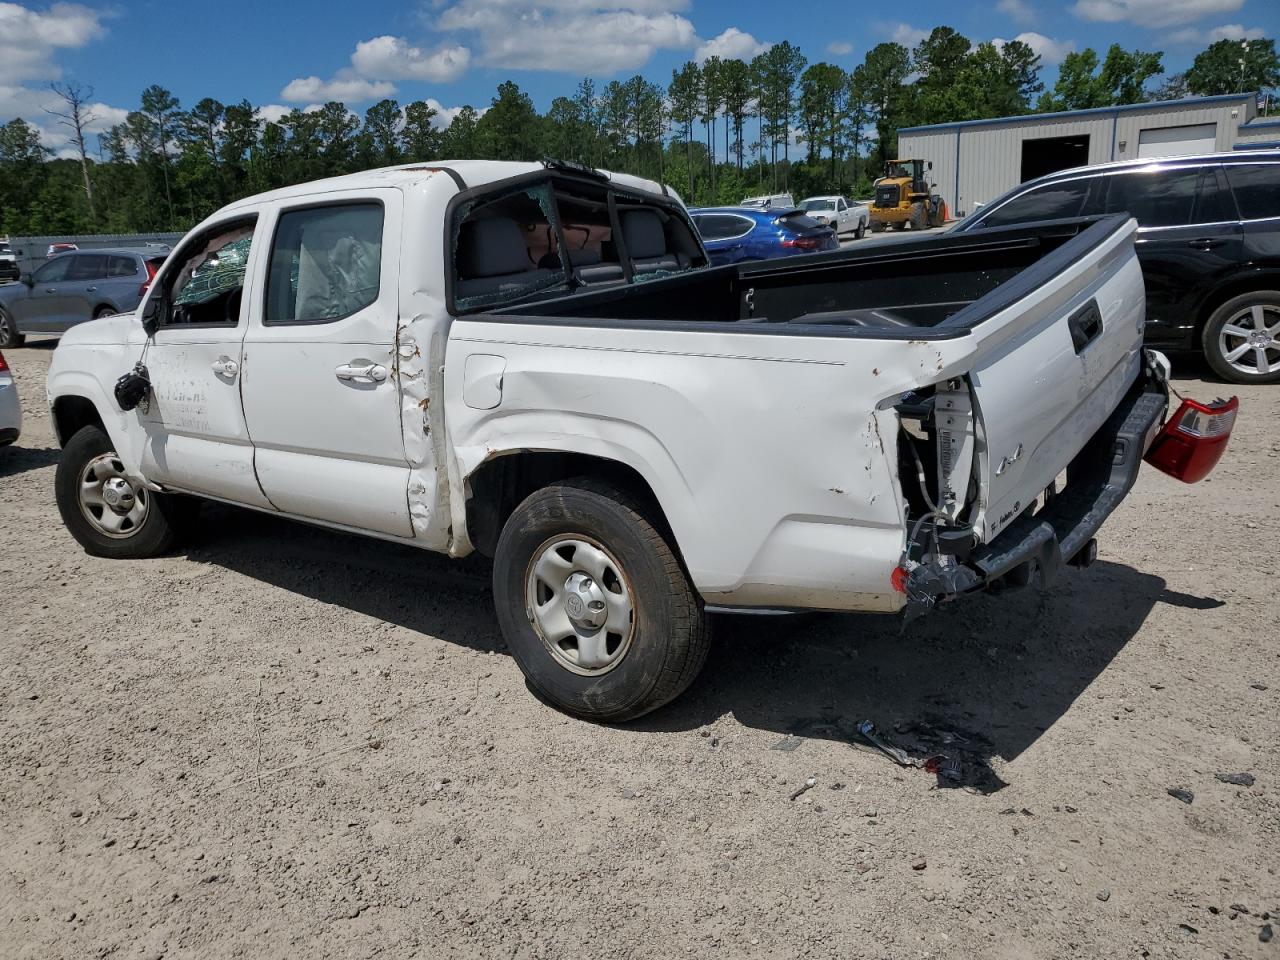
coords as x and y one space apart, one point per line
112 504
1250 340
579 601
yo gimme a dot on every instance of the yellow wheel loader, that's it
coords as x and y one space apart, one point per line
903 196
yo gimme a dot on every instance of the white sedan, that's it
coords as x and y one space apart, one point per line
838 212
10 407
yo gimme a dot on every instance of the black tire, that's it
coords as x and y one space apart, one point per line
104 311
878 226
1211 339
9 335
861 230
670 634
919 215
153 535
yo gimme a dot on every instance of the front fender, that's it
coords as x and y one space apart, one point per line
123 428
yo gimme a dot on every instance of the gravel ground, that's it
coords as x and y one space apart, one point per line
290 742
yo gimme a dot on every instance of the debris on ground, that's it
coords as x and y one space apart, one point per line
919 864
788 744
955 758
1181 793
805 787
1239 779
1265 933
1104 895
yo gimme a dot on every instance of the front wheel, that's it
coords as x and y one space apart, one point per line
108 513
1241 339
594 605
9 335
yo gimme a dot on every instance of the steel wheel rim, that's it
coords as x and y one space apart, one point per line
580 603
112 504
1250 340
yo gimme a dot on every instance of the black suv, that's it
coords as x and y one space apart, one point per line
1208 241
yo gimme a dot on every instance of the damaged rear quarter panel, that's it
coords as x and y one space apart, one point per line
768 454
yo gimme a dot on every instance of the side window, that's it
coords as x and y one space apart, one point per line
55 271
1053 201
1257 188
1159 198
726 225
841 205
87 266
326 263
206 287
119 266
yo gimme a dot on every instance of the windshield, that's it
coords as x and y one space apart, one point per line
821 204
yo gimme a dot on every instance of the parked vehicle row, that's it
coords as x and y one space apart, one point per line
1208 241
537 362
72 288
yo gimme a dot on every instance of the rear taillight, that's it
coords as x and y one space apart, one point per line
802 243
1192 441
4 366
151 275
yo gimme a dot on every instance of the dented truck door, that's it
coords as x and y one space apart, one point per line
319 386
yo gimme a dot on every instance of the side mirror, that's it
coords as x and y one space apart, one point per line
27 279
151 314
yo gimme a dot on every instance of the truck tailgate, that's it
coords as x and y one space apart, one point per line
1052 361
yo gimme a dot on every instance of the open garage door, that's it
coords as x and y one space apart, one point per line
1041 155
1177 141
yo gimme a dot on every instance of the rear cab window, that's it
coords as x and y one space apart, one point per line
548 236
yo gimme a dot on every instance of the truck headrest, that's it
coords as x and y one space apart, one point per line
642 230
492 247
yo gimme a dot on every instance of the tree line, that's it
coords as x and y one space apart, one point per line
718 131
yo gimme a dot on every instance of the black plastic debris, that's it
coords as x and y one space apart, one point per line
1265 933
1181 793
1239 779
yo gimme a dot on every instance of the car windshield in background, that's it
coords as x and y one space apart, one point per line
812 205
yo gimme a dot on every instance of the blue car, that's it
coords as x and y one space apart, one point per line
735 234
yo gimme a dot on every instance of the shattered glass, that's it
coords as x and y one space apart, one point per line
219 269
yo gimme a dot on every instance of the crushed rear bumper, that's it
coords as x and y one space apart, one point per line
1099 477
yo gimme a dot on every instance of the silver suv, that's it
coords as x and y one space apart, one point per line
72 288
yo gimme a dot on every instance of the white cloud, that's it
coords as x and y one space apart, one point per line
1228 31
1017 10
1052 52
1153 13
271 112
29 38
731 44
905 34
394 58
577 36
839 48
341 87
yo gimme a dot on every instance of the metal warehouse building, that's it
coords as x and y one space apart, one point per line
975 161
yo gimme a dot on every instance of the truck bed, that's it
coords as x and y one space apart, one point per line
936 287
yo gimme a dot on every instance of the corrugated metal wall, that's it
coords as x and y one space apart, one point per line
975 163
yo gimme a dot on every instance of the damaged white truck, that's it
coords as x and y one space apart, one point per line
535 361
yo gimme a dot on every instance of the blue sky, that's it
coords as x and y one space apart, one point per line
282 54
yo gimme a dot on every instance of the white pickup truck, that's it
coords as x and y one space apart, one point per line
535 361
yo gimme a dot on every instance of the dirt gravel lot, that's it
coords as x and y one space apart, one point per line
286 742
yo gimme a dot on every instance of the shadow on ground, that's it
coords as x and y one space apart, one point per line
997 670
17 459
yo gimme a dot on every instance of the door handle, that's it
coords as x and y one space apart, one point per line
90 289
361 371
225 367
50 289
1206 243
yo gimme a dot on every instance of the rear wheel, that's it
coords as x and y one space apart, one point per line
861 230
1241 340
104 311
878 226
594 604
108 513
9 335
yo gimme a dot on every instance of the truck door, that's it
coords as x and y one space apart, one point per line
320 395
196 434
